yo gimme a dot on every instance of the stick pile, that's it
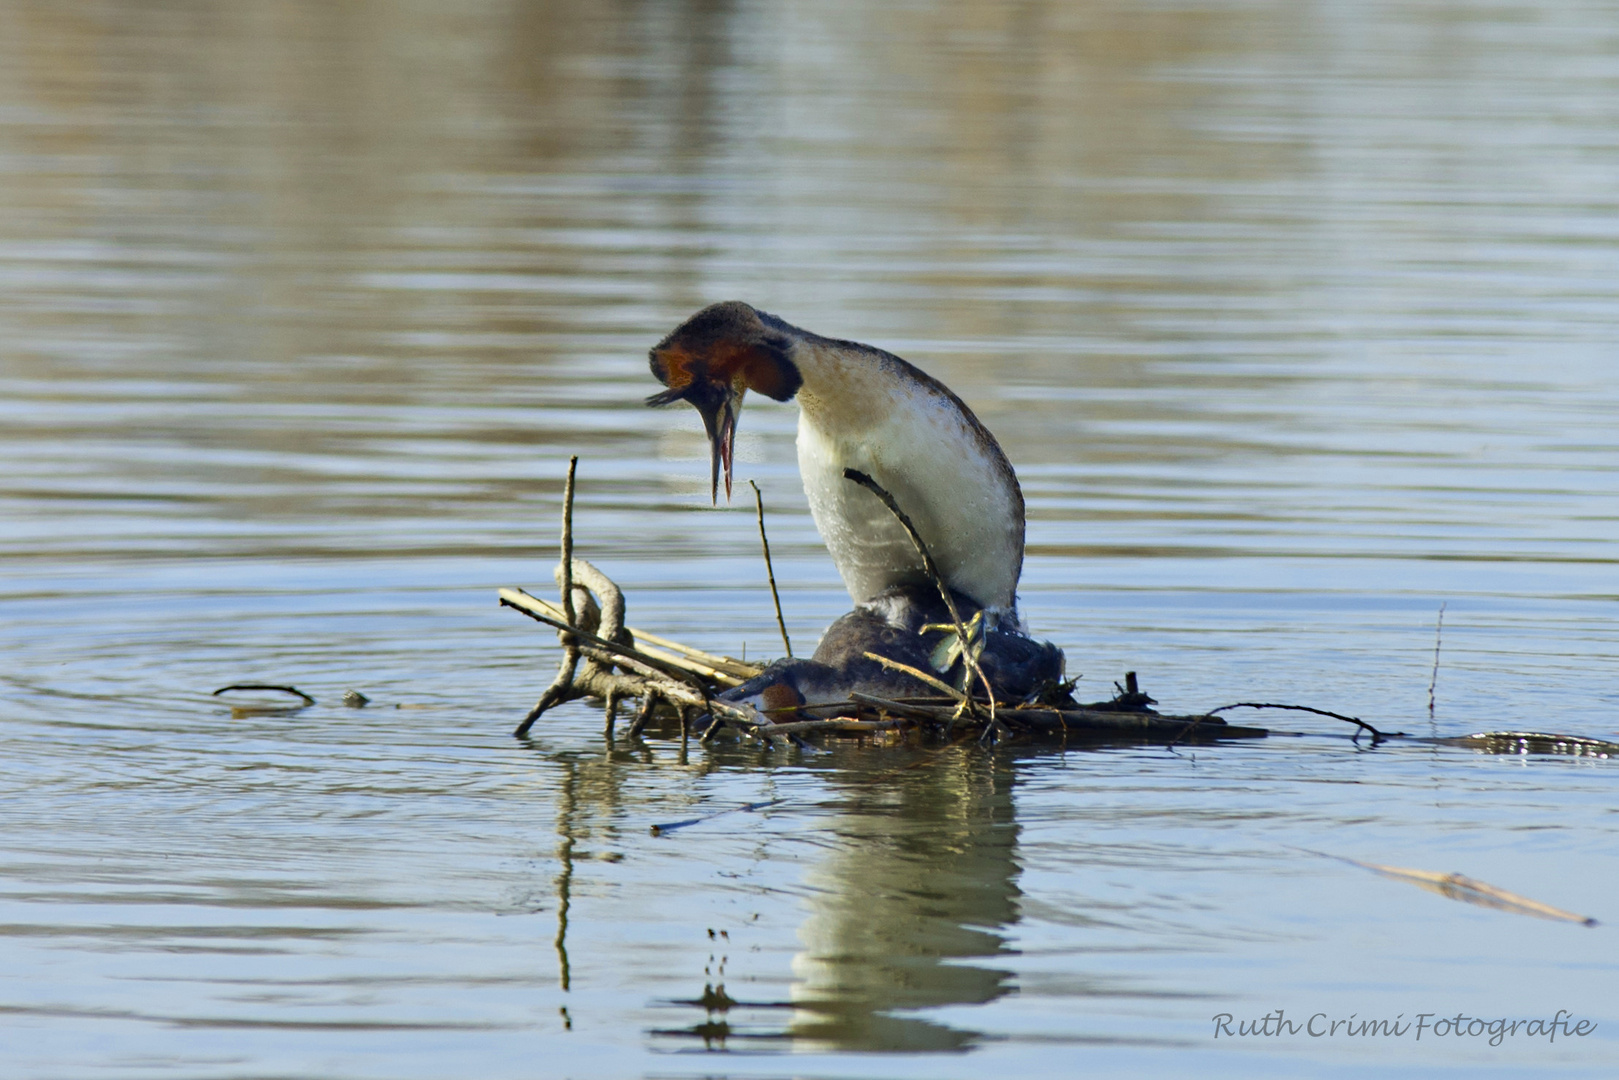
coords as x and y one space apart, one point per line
605 660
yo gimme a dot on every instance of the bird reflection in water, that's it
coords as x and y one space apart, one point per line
907 913
925 877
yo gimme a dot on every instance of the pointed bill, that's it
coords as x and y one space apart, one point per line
721 426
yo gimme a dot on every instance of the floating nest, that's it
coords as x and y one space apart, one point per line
678 689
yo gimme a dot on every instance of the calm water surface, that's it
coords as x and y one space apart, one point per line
1297 320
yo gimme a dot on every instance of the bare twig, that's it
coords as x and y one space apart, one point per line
554 694
729 665
651 678
1438 629
932 569
630 655
1169 747
649 705
265 686
919 674
720 669
1361 724
563 685
566 583
670 826
609 615
770 572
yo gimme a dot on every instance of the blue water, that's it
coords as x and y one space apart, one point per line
1296 321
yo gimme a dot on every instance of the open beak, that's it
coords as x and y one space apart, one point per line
721 425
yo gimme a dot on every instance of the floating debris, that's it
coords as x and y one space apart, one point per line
240 711
1535 742
1468 890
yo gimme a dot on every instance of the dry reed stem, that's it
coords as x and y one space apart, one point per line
728 664
627 654
770 571
725 670
1433 681
651 676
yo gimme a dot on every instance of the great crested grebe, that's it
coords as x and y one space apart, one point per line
866 409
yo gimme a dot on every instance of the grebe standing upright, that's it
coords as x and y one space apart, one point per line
866 409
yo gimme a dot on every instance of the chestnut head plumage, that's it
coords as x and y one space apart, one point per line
712 360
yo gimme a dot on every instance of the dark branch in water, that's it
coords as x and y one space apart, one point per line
265 686
1377 736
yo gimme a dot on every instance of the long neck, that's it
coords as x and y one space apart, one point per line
850 388
867 409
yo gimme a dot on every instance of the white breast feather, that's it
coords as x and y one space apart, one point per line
933 462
